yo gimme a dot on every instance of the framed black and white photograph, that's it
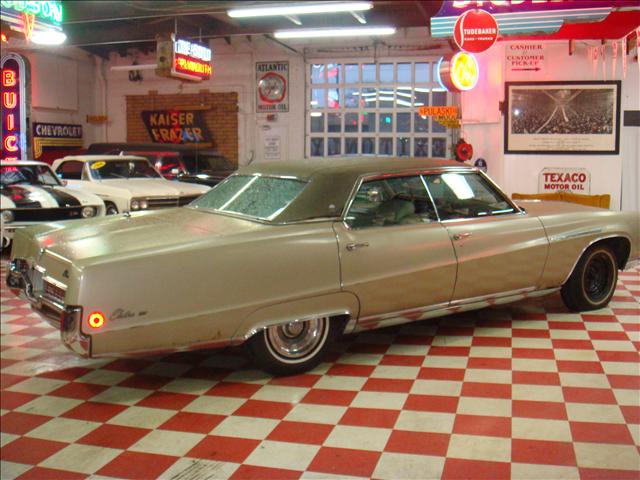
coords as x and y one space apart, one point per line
577 117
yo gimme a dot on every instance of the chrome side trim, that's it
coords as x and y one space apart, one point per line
57 256
566 236
595 240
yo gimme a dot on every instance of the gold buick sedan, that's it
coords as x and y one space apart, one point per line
284 257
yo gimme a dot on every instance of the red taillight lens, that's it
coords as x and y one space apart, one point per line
96 320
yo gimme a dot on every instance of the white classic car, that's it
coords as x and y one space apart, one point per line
30 193
125 183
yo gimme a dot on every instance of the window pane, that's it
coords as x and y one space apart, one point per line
351 122
369 73
317 73
351 73
334 122
386 97
317 98
422 97
334 98
420 124
386 73
369 97
333 146
403 122
385 146
350 146
420 147
404 97
439 99
386 122
351 98
368 122
403 146
439 147
317 122
437 127
422 72
317 147
367 146
333 73
404 73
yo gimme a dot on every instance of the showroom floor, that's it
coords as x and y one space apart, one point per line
527 391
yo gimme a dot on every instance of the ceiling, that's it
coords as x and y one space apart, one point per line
102 27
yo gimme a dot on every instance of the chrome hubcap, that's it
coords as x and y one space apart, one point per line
295 340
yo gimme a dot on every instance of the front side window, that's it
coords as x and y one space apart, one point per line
391 201
27 174
119 169
251 195
71 170
465 195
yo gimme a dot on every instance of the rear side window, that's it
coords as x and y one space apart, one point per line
70 170
465 195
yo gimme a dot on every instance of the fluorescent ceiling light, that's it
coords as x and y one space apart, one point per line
334 32
48 37
299 9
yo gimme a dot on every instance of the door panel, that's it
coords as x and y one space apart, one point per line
497 254
393 268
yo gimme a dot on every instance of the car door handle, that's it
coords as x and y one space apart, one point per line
461 236
354 246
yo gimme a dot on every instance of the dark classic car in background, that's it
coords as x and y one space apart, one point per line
30 193
286 256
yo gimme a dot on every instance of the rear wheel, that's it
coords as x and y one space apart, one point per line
111 209
293 347
593 281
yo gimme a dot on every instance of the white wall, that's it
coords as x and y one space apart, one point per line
519 173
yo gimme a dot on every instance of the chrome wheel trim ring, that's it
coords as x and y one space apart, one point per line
297 342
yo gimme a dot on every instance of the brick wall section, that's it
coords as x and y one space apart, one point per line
221 117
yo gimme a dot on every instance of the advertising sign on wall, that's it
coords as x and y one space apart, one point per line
55 135
177 126
14 108
475 31
179 58
572 180
525 57
272 86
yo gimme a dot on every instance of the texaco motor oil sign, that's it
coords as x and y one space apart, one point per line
571 180
272 87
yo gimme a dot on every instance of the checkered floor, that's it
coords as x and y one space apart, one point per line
521 391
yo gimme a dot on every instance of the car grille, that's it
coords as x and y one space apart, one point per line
54 292
46 214
186 200
162 202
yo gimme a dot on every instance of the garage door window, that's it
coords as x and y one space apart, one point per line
358 108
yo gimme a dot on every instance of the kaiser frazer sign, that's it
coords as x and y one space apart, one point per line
571 180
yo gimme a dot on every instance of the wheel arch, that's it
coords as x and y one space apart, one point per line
618 243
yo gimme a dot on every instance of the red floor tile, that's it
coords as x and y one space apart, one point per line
167 400
192 422
224 449
449 351
613 356
39 473
533 353
239 390
387 385
572 344
304 380
250 472
542 452
459 469
482 425
489 363
530 333
606 474
264 409
590 317
66 374
431 403
566 325
370 417
95 411
622 336
11 400
629 382
601 433
329 397
30 450
535 378
344 461
536 409
486 390
78 390
114 436
343 369
491 342
402 360
419 443
588 395
19 423
631 413
627 311
147 382
301 432
134 465
6 379
574 366
452 374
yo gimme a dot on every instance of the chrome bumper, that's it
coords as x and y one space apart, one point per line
66 319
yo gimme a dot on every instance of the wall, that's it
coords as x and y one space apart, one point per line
617 175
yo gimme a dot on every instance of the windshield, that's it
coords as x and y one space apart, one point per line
251 195
30 174
118 169
204 163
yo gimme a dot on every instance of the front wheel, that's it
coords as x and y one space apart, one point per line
293 347
111 209
593 281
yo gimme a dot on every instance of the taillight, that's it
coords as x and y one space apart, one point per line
96 320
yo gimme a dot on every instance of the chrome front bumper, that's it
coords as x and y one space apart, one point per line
66 319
